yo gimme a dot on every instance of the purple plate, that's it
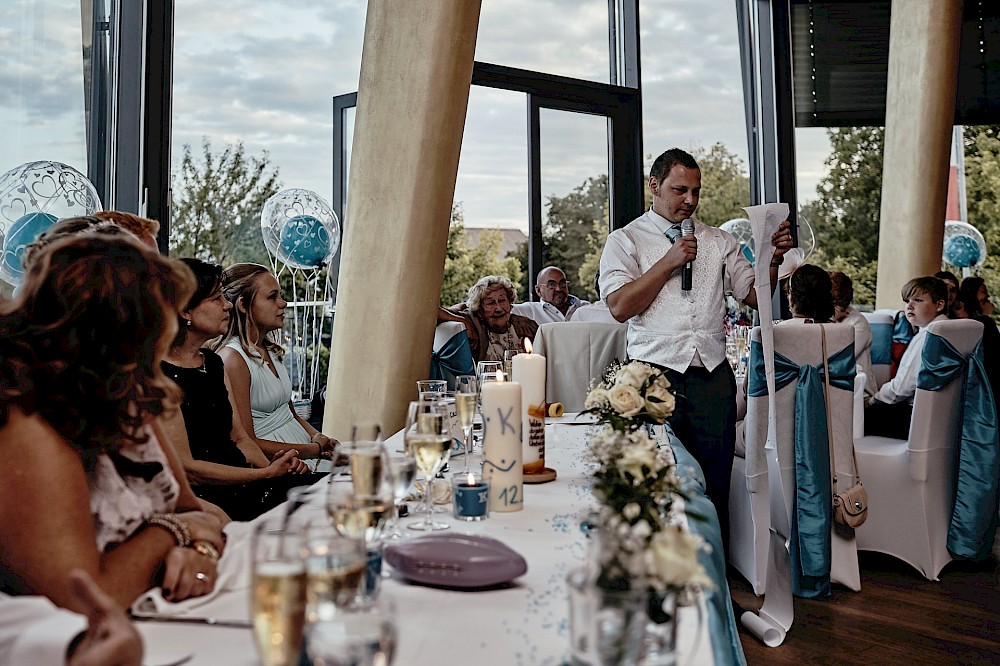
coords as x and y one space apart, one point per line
455 560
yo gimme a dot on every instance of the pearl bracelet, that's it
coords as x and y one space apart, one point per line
171 523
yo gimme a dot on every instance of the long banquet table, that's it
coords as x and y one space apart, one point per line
523 624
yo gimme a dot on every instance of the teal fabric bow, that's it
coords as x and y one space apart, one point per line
809 545
881 343
453 359
974 515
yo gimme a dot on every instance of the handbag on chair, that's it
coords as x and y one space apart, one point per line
850 507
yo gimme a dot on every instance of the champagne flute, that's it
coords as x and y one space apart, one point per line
362 635
466 398
356 515
370 474
278 591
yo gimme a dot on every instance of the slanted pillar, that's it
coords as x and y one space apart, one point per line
924 38
416 69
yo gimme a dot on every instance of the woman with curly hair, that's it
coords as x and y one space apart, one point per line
259 383
224 464
80 393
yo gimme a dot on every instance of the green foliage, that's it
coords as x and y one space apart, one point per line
217 204
845 217
725 185
577 224
463 265
862 275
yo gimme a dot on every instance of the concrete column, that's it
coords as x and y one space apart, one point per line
920 111
416 69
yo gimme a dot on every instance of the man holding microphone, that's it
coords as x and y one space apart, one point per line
677 324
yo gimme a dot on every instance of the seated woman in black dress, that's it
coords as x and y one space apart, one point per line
224 464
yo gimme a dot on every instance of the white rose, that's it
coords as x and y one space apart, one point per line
631 511
625 400
672 557
634 374
596 399
659 402
633 459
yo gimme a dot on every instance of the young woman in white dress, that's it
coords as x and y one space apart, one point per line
261 388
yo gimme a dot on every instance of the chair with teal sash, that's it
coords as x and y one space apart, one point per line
880 323
915 513
451 356
796 483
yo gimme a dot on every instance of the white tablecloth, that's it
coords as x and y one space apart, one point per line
525 624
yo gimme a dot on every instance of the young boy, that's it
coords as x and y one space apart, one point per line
888 412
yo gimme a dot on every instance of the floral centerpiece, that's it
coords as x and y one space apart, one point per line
642 561
630 395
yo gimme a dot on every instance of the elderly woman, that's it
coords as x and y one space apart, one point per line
80 393
491 326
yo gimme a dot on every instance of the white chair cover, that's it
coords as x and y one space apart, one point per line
910 483
575 354
767 486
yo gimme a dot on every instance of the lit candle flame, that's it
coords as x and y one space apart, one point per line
472 479
527 345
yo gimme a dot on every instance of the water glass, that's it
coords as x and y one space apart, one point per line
431 388
362 635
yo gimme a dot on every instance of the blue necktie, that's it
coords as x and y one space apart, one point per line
673 233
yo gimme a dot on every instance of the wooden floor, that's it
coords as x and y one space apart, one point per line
897 618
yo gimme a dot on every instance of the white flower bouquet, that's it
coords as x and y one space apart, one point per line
636 484
631 395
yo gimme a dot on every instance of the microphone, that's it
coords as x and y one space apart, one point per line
687 229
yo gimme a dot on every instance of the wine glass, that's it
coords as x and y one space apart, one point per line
484 367
427 415
360 635
277 591
404 472
508 361
370 474
429 444
366 431
466 398
432 388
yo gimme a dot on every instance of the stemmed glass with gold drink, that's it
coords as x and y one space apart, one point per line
466 400
335 569
428 441
278 591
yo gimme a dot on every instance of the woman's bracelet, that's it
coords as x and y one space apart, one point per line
171 523
206 548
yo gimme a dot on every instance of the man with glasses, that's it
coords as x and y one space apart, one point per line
556 303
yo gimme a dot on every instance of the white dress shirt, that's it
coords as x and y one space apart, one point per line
903 386
679 328
546 313
597 311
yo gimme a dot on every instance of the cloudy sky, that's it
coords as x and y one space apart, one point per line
264 72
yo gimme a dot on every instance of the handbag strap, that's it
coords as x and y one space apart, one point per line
829 420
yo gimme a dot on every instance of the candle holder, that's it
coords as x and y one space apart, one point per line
470 496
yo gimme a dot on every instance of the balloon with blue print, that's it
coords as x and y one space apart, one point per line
32 197
300 229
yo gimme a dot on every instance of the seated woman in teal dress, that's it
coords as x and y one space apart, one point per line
225 465
259 383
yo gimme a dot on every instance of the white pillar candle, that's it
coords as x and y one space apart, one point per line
528 370
502 444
